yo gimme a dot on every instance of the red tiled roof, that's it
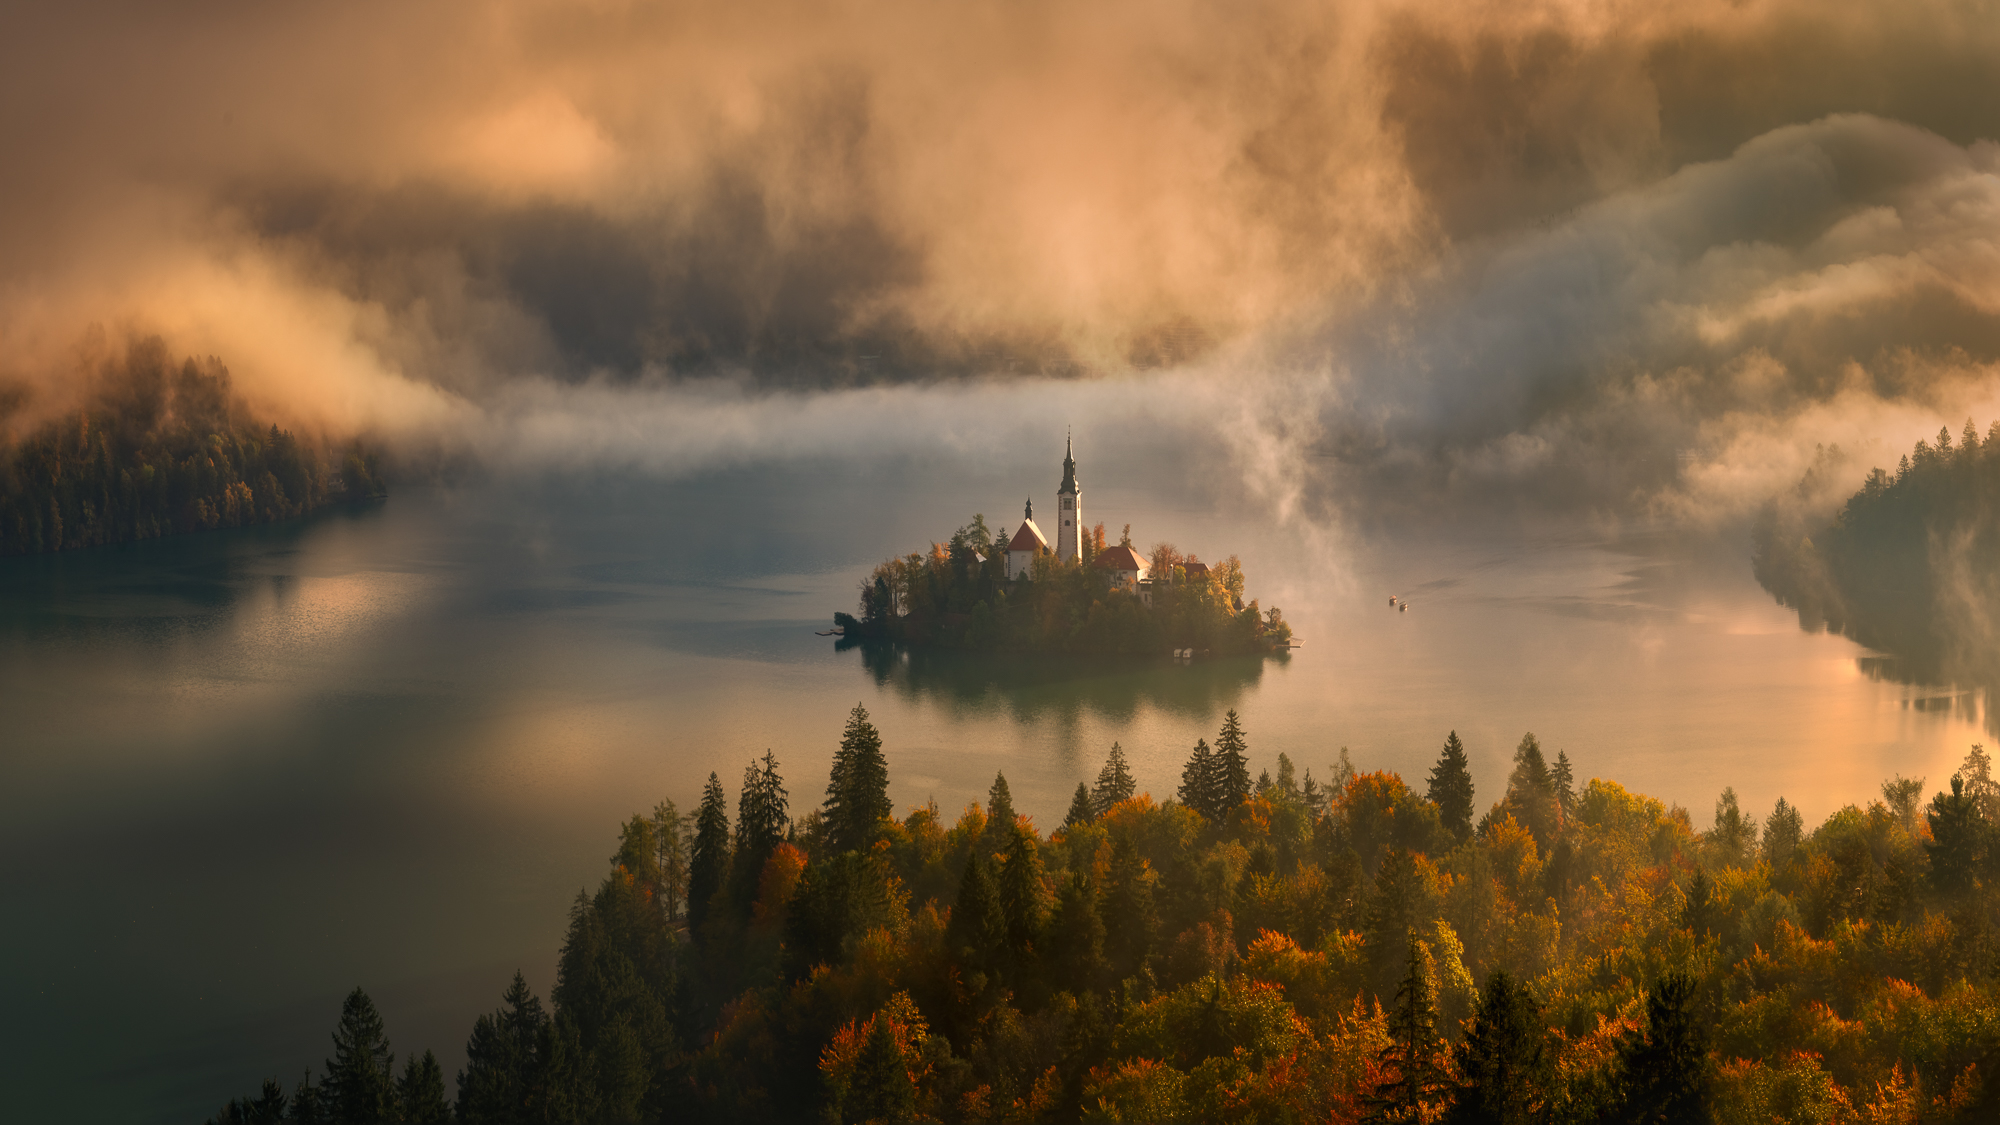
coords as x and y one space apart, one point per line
1119 558
1195 568
1029 538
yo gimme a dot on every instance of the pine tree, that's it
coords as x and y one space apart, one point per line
1784 830
977 931
1131 921
359 1088
1957 835
1080 810
761 822
671 858
1198 781
708 860
1115 783
1000 817
1076 937
1503 1069
1414 1045
420 1092
881 1090
1451 787
1664 1069
308 1105
857 792
1531 792
1288 777
1023 899
503 1062
1232 767
1564 779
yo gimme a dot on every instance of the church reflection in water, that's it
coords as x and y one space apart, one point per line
1061 685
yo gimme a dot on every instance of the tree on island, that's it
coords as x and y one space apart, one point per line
857 792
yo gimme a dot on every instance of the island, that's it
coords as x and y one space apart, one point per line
986 590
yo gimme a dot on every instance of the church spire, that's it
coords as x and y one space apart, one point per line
1069 469
1030 513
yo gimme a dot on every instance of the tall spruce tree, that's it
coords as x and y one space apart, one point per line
308 1104
420 1092
1531 792
1198 781
761 821
1000 817
1076 937
1451 787
1664 1069
1503 1069
1080 809
1131 919
1564 779
1115 782
708 859
1414 1044
857 791
359 1088
976 935
503 1061
1956 847
1232 766
1023 900
881 1090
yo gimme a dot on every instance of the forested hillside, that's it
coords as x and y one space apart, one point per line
1249 950
1910 564
158 449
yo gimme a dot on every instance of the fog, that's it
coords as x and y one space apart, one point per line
1595 257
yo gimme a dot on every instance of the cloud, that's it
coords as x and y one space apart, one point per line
1608 254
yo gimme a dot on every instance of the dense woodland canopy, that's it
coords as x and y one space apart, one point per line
158 450
958 595
1908 564
1250 950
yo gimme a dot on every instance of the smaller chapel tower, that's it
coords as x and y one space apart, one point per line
1069 535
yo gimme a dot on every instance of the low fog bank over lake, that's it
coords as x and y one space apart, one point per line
246 771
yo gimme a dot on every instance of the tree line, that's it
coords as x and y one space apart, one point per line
1267 949
158 449
1905 563
958 595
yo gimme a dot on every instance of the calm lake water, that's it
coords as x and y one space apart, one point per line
246 771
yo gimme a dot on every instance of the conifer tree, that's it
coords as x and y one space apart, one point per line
670 838
1784 829
308 1106
1000 817
857 791
1664 1069
977 931
1080 809
761 822
360 1081
1131 920
708 860
503 1061
1564 779
1414 1045
1076 937
1198 781
1288 777
1503 1069
1955 848
420 1092
1115 782
1451 787
1531 791
881 1089
1232 767
1023 899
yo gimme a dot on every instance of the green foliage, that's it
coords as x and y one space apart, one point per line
857 793
1502 1062
708 862
1115 783
359 1088
1451 787
1081 810
1665 1066
156 450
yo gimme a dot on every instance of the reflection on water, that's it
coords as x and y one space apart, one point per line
1931 691
1059 685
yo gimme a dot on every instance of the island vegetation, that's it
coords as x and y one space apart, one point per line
1907 564
958 595
1267 949
159 449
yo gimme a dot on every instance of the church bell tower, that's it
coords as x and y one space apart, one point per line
1069 535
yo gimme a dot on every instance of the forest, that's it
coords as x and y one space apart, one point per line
158 449
958 596
1267 949
1906 565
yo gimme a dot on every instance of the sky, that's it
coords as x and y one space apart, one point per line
1616 257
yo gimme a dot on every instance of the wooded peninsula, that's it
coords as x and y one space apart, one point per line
158 449
959 595
1249 950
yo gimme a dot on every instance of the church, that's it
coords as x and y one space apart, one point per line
1128 570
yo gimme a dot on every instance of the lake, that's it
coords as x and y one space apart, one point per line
246 771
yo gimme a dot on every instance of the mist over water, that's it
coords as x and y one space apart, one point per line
386 746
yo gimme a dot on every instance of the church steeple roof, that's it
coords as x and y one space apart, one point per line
1069 470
